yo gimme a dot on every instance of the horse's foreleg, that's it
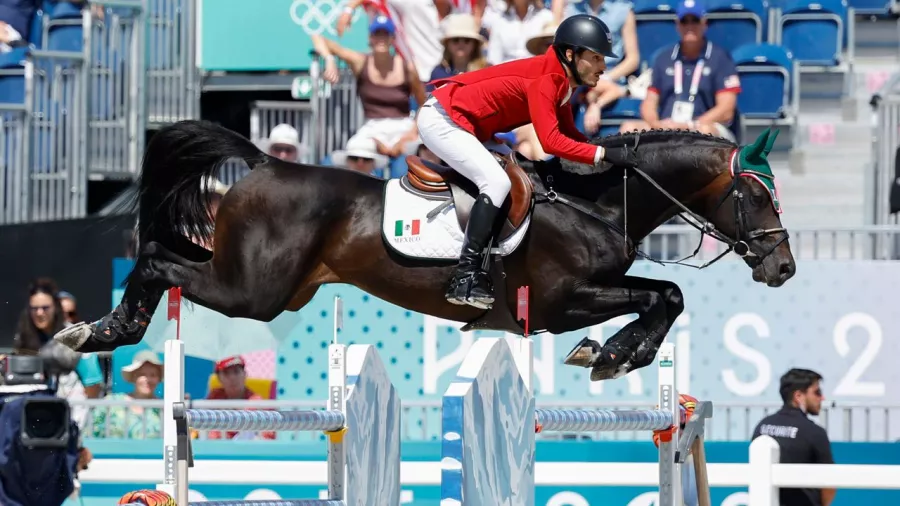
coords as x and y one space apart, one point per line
592 305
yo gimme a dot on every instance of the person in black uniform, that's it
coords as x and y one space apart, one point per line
800 439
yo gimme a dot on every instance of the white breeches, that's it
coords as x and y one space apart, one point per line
462 151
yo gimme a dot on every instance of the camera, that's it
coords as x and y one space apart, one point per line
39 443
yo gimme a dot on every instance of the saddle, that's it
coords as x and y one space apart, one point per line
441 183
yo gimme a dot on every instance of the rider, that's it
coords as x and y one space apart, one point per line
468 109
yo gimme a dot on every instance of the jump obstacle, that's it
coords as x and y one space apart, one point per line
489 422
361 422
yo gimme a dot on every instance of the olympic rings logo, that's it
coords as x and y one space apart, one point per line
318 16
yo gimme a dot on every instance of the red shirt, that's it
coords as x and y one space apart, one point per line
504 97
249 395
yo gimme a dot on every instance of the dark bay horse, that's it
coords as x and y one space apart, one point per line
286 229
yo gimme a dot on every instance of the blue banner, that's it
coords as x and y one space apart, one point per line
270 35
102 494
733 342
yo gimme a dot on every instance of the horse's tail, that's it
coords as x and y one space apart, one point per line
177 164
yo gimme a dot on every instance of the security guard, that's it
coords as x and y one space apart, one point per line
800 439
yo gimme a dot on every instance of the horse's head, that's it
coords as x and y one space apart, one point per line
743 204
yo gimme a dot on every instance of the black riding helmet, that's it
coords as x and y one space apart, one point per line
582 31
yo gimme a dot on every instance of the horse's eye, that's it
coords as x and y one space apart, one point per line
757 200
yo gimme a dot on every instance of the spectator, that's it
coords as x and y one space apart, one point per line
384 83
283 143
511 28
41 319
447 8
463 47
800 439
15 21
694 85
361 155
130 421
231 375
618 15
417 26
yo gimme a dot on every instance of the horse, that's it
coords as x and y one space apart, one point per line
568 231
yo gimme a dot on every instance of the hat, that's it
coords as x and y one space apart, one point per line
225 363
461 26
284 134
360 147
382 22
62 294
548 32
690 8
140 358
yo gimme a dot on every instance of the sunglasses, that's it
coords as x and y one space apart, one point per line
284 149
358 159
460 40
35 309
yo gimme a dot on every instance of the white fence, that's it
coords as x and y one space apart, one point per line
762 474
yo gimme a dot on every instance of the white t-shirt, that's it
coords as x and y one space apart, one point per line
419 33
509 33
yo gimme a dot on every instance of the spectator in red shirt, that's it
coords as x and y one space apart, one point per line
233 378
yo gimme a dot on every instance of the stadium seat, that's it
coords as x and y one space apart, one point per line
768 83
12 76
871 7
64 30
814 31
655 25
733 23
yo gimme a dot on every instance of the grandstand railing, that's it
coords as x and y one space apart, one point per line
115 48
855 422
875 242
886 103
337 112
173 79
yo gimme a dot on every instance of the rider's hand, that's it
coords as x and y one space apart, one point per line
622 156
343 22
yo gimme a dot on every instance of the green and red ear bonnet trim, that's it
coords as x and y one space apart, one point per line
751 161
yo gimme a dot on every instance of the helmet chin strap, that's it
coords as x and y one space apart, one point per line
570 64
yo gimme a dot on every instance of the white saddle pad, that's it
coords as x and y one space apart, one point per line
409 232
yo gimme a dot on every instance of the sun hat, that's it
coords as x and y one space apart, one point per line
140 358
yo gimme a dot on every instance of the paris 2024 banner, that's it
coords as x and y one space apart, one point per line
733 342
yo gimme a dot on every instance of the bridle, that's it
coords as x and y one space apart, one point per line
740 246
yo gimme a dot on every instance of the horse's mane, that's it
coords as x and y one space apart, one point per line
658 150
656 136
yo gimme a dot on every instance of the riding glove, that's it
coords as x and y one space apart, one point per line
622 156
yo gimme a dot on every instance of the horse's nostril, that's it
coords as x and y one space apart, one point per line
786 268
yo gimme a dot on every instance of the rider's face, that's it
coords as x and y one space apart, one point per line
590 66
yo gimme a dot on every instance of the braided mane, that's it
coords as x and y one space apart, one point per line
658 135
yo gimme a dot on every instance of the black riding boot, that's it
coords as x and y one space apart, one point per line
471 284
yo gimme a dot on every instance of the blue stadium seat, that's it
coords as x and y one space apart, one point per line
12 76
733 23
768 82
871 7
655 25
814 31
64 30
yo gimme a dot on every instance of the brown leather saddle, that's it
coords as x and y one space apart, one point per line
441 183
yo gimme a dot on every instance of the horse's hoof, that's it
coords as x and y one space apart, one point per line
584 354
607 371
74 336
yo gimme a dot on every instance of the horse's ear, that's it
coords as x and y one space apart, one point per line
758 147
770 141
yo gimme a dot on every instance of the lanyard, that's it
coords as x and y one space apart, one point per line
695 79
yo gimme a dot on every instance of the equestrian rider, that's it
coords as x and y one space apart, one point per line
466 110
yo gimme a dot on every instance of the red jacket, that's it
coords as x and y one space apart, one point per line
504 97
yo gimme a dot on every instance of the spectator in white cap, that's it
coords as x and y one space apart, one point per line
361 154
284 143
463 47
